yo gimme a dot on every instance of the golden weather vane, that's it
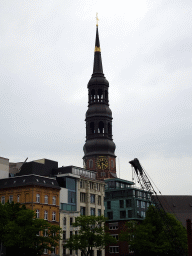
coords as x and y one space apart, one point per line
97 18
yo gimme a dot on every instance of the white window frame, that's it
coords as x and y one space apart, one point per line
3 199
54 200
46 198
113 249
45 215
18 198
37 213
37 198
53 216
10 198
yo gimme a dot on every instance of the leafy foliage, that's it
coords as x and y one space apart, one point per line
19 230
151 236
91 233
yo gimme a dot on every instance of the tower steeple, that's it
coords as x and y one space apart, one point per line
99 148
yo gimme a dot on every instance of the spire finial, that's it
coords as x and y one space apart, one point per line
97 19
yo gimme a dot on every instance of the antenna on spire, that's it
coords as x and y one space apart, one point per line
97 19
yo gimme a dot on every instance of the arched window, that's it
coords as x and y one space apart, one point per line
90 163
92 127
101 127
46 199
100 95
112 164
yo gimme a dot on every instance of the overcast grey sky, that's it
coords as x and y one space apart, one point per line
46 61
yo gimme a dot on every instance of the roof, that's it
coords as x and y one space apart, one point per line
180 206
27 180
120 180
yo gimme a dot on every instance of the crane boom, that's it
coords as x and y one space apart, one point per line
146 185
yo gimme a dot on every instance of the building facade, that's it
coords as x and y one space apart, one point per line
38 193
123 202
81 194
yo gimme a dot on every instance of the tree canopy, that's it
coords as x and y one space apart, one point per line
151 236
20 230
91 234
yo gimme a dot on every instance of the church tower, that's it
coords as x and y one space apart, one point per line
99 148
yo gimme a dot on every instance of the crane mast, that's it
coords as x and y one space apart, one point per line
146 185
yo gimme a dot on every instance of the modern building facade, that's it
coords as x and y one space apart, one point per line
81 194
99 148
123 202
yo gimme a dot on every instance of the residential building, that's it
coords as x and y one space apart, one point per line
4 168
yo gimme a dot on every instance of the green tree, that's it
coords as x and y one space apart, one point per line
91 234
151 236
20 231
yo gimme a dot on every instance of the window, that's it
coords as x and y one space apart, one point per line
18 198
71 233
3 200
130 213
46 199
37 198
128 203
10 199
121 203
92 198
116 236
99 200
53 216
45 215
64 250
53 250
92 211
91 185
45 232
99 212
71 197
64 221
64 235
82 210
113 226
110 215
37 214
71 252
112 164
138 203
108 204
54 200
82 197
45 251
143 205
90 163
71 221
98 187
99 253
113 249
122 214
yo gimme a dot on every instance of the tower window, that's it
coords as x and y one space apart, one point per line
106 96
92 95
92 128
109 129
90 163
101 127
100 95
112 164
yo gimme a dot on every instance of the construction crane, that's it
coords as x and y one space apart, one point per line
146 185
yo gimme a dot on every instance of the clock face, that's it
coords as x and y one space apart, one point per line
102 163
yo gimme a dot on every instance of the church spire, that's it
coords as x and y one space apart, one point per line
97 66
99 148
